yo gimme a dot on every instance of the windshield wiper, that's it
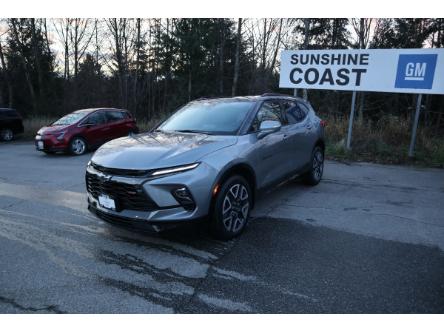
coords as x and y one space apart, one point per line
193 131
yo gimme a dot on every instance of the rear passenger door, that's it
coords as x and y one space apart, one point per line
296 116
117 123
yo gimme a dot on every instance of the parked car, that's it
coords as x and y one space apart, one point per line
209 159
85 130
11 124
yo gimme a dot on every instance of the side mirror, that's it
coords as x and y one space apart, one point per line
268 127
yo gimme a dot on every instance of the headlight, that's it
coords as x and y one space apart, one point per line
60 135
175 169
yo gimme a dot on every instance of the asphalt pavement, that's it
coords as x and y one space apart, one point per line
368 239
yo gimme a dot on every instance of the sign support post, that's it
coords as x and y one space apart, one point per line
350 122
415 125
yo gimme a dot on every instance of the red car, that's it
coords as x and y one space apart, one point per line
86 129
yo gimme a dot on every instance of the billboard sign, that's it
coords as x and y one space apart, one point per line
418 71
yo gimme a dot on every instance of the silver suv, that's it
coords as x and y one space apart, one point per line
207 161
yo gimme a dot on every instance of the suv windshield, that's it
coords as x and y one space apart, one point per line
69 119
211 117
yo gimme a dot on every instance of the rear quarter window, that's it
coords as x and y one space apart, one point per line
113 116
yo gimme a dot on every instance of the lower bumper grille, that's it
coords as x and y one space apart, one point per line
126 196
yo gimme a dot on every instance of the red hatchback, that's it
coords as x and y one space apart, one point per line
85 129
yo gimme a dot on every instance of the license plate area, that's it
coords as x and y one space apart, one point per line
40 145
107 202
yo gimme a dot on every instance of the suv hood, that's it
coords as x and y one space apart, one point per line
158 150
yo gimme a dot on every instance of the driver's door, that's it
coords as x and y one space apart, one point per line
270 151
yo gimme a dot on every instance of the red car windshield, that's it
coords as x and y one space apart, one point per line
69 119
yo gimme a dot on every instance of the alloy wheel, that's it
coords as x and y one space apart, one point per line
78 146
7 134
318 164
235 208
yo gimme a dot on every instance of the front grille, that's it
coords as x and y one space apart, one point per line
120 172
126 196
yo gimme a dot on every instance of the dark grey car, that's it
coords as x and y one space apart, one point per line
207 161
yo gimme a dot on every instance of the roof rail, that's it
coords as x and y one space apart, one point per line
204 98
274 94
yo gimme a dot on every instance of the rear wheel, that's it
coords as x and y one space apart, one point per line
6 134
314 176
77 146
232 208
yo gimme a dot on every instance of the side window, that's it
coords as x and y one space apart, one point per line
304 108
97 118
270 110
295 111
292 112
113 116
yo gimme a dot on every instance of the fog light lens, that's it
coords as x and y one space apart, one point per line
184 197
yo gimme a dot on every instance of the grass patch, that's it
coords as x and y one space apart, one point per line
32 125
384 141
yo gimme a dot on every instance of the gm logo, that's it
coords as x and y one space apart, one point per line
416 71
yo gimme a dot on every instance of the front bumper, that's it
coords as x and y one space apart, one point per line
137 223
162 208
50 143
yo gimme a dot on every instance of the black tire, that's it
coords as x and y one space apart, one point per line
314 176
231 208
78 146
6 134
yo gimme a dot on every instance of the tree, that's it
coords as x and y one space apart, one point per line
29 59
236 64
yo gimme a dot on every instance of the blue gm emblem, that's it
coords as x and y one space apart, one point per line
416 71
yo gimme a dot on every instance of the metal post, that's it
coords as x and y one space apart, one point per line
295 92
350 122
415 125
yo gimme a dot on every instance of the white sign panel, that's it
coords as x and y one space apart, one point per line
385 70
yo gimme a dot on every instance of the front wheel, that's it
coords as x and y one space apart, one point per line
6 134
77 146
232 208
314 176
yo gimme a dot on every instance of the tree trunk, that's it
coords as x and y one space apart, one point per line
306 43
221 57
236 61
136 72
189 84
362 93
273 62
7 77
36 57
167 67
66 74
